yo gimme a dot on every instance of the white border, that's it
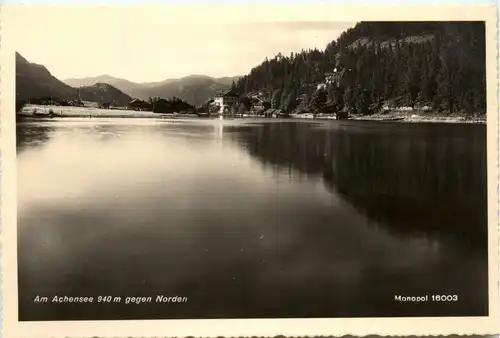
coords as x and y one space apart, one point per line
254 327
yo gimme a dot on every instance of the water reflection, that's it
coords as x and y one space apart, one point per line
30 136
265 220
428 179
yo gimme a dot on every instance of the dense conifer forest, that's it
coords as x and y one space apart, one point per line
437 65
168 106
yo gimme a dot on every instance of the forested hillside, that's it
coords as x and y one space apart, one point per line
374 64
33 80
103 92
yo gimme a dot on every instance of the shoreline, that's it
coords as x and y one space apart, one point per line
101 116
422 119
422 116
374 118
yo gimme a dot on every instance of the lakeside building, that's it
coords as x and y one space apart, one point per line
139 105
332 111
257 105
226 101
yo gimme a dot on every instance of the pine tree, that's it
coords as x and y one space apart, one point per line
275 99
291 101
318 101
284 96
349 100
362 102
412 78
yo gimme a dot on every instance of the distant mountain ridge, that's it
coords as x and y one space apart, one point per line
35 81
194 89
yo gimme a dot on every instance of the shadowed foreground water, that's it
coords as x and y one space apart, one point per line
262 219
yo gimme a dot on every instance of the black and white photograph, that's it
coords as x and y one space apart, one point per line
180 166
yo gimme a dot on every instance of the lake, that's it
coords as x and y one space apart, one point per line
251 218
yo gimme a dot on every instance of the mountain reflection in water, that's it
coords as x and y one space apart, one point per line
268 219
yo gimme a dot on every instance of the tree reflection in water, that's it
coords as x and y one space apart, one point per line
410 179
32 135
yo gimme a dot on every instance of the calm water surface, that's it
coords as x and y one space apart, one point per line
251 219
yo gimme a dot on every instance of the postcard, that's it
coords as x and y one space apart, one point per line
249 170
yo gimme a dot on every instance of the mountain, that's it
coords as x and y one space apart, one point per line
35 81
122 84
373 65
103 92
194 89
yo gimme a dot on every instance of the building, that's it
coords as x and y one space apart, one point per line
334 77
338 114
226 101
257 105
137 104
330 77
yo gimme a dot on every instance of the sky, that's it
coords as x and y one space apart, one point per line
148 43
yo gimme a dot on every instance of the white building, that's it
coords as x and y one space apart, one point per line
226 101
330 77
334 77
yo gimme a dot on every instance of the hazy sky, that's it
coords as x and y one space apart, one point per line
148 43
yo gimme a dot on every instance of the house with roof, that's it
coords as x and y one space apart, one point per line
140 105
332 110
257 105
334 77
226 100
